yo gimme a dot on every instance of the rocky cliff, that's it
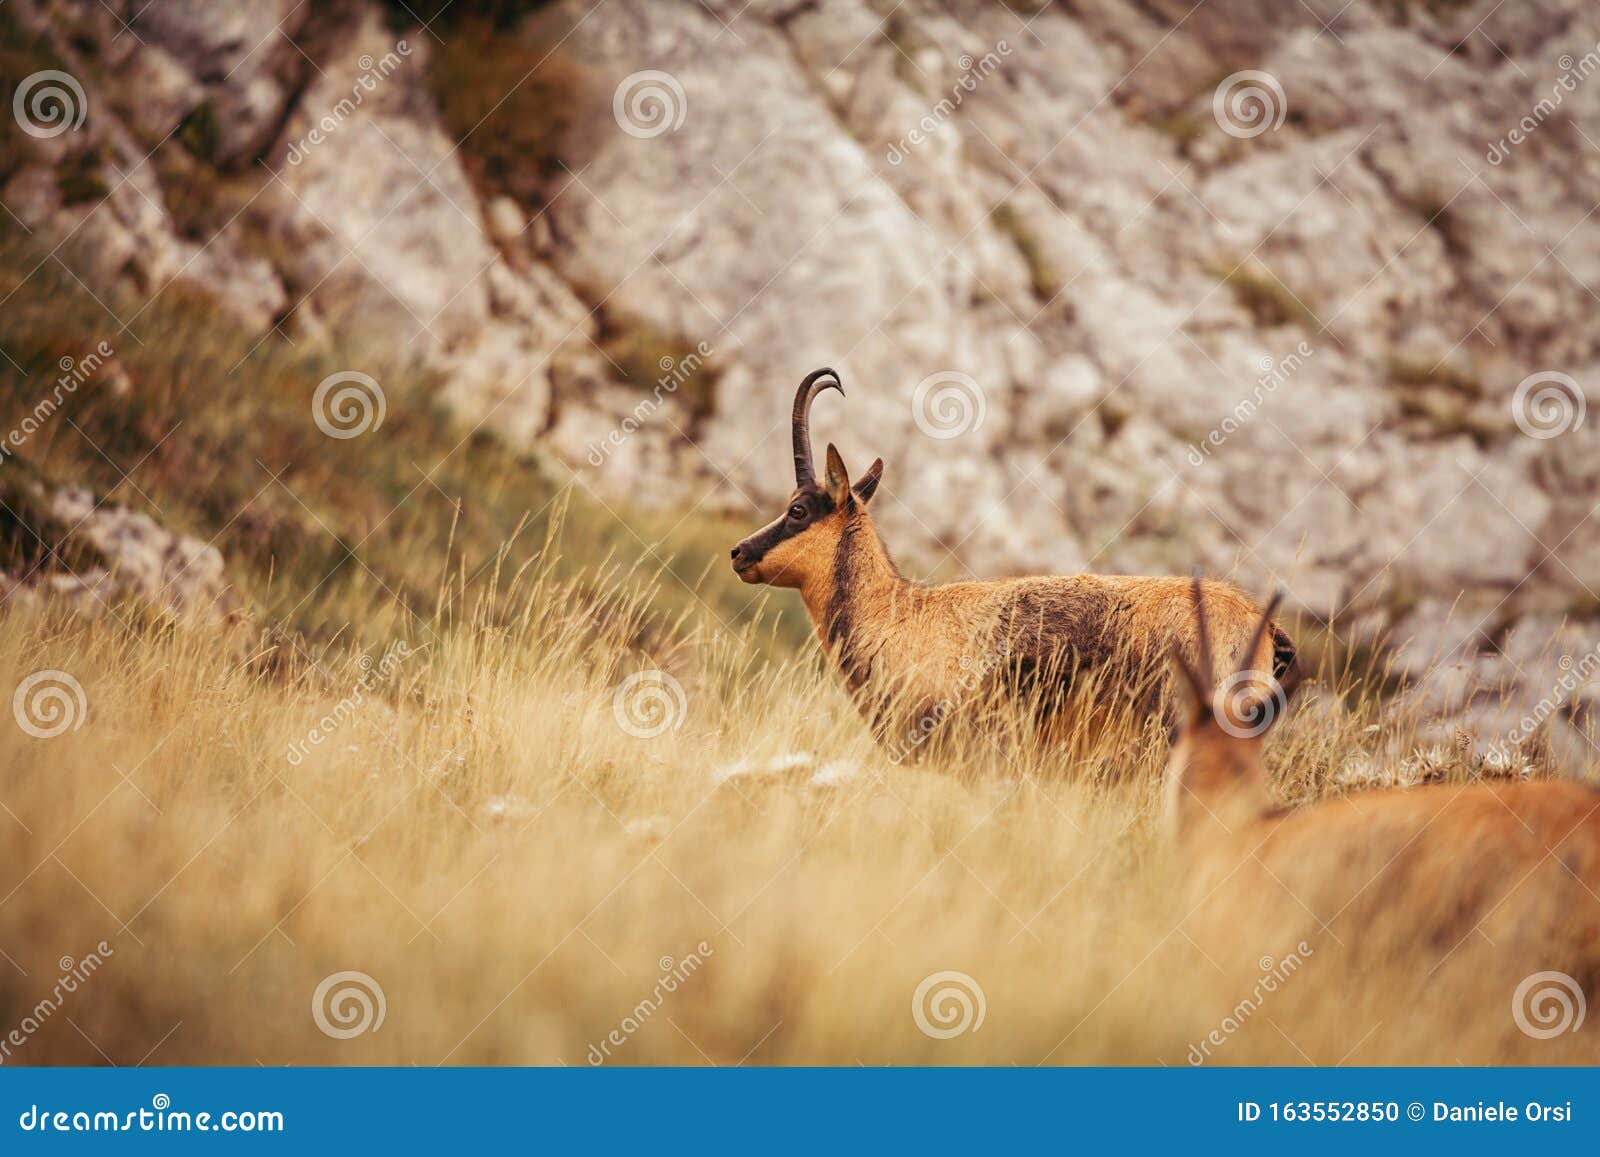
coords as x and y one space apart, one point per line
1304 290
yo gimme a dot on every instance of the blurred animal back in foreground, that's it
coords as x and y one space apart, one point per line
1477 887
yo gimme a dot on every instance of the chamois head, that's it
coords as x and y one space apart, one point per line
1222 729
800 542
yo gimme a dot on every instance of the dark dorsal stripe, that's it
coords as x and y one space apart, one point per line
843 610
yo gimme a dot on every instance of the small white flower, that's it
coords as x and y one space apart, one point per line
838 771
761 768
504 808
648 828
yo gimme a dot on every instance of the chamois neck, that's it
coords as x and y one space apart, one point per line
862 579
1212 793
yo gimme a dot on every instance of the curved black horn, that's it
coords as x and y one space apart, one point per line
816 381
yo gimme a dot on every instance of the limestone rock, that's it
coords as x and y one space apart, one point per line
118 553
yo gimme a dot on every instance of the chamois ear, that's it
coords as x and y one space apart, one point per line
1294 674
868 486
1200 679
1291 679
836 478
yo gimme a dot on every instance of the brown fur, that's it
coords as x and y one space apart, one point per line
905 648
1500 879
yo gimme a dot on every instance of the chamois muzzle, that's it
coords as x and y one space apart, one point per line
816 381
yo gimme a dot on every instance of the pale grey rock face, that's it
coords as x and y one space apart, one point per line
219 39
166 92
249 284
400 254
33 195
1087 316
243 54
131 556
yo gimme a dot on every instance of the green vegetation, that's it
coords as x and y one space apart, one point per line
81 177
1407 12
1444 400
1434 209
201 198
1042 274
1269 301
1445 375
902 33
503 15
516 107
1183 126
199 131
643 355
29 531
1113 413
21 55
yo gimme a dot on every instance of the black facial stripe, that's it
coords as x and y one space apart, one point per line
817 502
755 548
785 528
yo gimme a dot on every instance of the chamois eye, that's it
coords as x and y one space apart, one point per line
798 513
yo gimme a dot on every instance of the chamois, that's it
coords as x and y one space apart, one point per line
1400 870
912 653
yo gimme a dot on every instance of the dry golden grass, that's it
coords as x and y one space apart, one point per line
484 839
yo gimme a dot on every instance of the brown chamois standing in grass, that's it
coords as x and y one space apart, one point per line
913 654
1499 880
